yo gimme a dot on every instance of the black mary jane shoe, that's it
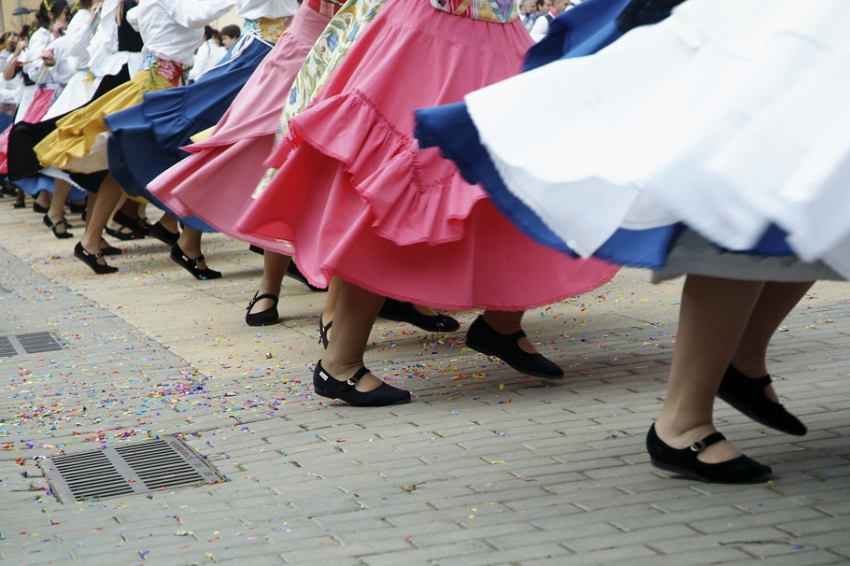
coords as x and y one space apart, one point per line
137 225
55 227
91 260
163 234
268 316
482 338
39 209
123 233
20 203
747 395
323 332
325 385
684 461
293 271
109 249
190 264
405 312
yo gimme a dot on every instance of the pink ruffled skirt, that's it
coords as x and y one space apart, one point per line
41 103
359 200
215 183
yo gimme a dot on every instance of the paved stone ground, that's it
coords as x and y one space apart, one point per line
485 467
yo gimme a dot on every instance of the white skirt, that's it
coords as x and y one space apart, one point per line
77 93
727 117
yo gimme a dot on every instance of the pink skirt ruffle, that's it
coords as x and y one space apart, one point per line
359 200
41 103
216 182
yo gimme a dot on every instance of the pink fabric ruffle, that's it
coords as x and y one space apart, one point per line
216 182
41 103
360 201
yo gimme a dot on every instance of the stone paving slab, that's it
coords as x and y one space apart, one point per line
485 467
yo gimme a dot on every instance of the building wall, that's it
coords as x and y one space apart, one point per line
14 23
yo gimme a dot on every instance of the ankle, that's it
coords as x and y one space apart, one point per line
753 369
341 370
505 323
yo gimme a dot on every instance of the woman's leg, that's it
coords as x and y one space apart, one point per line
712 320
354 315
43 199
274 268
774 303
98 214
56 212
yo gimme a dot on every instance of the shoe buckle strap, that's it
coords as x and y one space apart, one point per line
357 375
712 438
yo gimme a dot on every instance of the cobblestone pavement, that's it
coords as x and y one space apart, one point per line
485 467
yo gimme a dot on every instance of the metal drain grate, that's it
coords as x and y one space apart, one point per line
23 344
126 470
38 342
6 347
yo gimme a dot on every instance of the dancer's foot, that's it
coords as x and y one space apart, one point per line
705 456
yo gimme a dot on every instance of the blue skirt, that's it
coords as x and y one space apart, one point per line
580 31
146 139
37 183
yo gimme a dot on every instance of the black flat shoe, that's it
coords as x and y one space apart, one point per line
162 234
123 233
91 260
481 338
323 332
684 462
190 264
19 204
747 395
293 271
39 209
325 385
406 312
137 225
268 316
55 227
109 250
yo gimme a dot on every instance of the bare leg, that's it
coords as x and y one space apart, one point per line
44 198
56 213
355 314
190 242
170 223
90 205
331 301
98 215
712 320
774 303
274 267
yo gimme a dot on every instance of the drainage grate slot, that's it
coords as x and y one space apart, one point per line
23 344
6 347
38 342
131 469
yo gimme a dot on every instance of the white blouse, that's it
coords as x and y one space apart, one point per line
71 50
272 9
31 56
104 57
173 29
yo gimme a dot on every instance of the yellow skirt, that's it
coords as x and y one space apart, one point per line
78 144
